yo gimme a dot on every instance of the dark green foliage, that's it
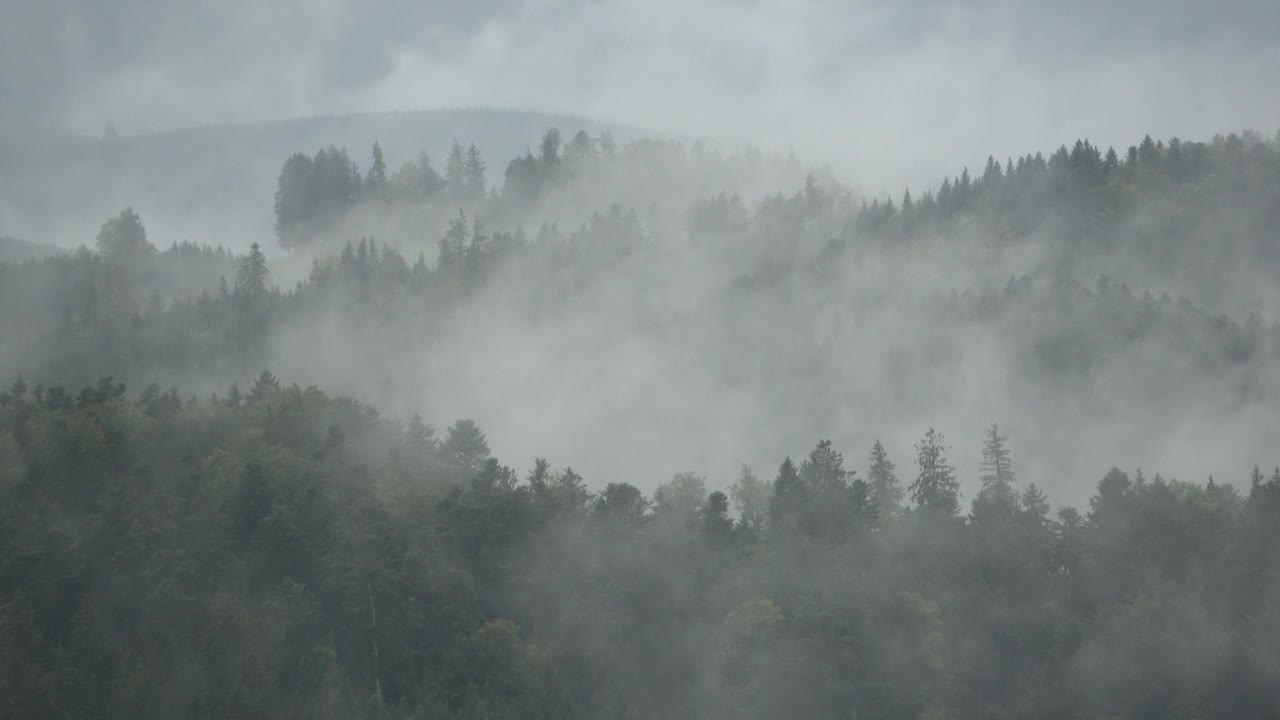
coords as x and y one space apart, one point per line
293 555
885 489
313 192
124 237
936 487
278 552
997 501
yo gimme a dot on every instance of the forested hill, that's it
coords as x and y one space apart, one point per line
183 534
13 250
1063 295
1192 218
213 185
277 552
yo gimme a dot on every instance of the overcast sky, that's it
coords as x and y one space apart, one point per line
889 91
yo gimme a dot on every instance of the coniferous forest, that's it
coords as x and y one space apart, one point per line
999 447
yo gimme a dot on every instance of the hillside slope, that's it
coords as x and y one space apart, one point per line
215 184
15 250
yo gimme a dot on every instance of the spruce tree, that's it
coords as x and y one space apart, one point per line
885 489
997 498
251 279
935 487
997 464
455 173
473 175
376 180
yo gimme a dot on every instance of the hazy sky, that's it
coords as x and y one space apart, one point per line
891 92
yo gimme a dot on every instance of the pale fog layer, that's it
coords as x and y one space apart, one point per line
651 371
889 94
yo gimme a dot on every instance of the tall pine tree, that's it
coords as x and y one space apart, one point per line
935 488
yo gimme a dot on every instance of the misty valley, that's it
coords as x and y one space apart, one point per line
632 425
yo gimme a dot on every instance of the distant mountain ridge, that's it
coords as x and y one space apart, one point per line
214 184
15 250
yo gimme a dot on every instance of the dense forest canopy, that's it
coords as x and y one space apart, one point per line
274 551
816 453
1062 294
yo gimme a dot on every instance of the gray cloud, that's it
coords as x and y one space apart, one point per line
890 92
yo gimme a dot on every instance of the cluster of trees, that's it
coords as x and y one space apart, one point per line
528 176
1080 177
560 179
195 314
278 552
1163 205
313 193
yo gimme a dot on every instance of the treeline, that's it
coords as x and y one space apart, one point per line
1144 213
278 552
314 194
198 314
1084 187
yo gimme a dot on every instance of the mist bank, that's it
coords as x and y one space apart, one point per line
702 335
213 184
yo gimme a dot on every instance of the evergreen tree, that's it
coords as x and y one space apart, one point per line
1110 162
935 488
294 202
581 150
454 244
376 181
570 491
997 498
717 527
550 157
1035 504
539 479
263 386
466 446
124 236
1148 153
991 174
251 279
455 174
419 434
823 471
885 490
786 491
473 175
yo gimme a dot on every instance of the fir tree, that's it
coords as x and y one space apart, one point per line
885 490
935 487
473 175
251 279
376 180
455 173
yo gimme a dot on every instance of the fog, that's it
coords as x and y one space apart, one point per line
889 93
553 359
658 366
